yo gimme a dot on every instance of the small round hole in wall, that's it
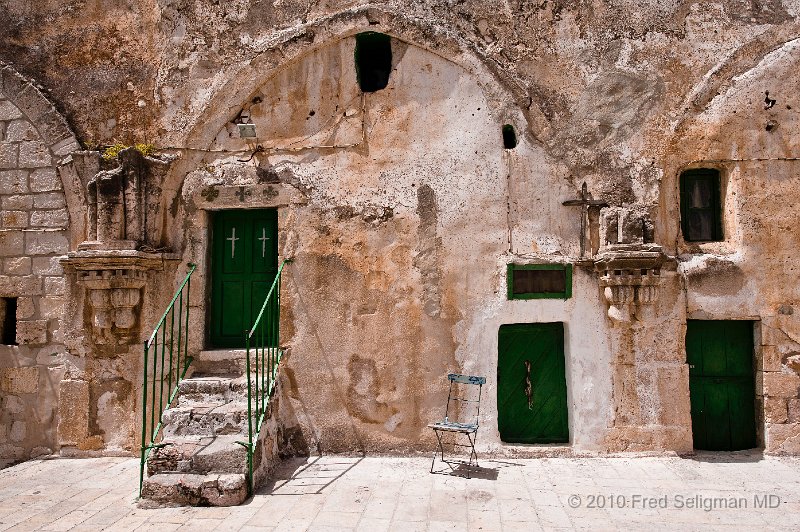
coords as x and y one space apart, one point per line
509 137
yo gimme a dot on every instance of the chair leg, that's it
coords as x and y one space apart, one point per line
441 449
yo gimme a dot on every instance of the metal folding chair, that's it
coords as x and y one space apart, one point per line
469 429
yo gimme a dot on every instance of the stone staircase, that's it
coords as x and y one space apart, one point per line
201 464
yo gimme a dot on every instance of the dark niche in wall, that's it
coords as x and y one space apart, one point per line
509 137
373 58
8 320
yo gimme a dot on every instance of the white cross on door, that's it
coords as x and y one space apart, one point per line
263 240
233 240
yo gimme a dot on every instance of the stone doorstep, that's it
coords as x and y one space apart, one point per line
220 362
205 419
188 489
199 455
211 389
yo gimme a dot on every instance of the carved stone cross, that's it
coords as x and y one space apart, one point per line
584 202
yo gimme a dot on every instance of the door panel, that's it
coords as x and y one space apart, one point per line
721 384
244 264
531 384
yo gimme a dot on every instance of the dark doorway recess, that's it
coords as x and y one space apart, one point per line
373 57
721 384
8 321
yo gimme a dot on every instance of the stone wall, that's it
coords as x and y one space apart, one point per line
402 208
34 227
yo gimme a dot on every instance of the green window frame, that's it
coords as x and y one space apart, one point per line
701 205
565 294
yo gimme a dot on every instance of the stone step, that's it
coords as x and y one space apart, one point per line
220 362
212 389
205 419
199 455
189 489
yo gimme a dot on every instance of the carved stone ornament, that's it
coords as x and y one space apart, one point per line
113 281
630 275
112 264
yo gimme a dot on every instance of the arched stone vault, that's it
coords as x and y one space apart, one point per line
507 98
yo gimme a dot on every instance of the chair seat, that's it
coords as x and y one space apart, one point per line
454 426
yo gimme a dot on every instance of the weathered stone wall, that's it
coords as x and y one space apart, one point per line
402 208
33 233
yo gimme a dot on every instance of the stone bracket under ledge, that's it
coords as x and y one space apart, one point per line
630 275
114 280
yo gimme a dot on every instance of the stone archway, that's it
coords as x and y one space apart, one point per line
38 215
508 100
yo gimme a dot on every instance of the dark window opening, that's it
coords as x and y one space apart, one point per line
8 320
701 212
509 137
373 57
539 281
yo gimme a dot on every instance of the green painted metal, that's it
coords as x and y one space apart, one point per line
263 356
531 383
245 260
721 384
166 366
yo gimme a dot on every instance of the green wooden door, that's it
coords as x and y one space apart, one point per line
531 383
244 264
721 384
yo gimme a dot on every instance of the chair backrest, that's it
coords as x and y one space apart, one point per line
463 392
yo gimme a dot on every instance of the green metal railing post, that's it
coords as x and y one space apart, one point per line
160 371
263 339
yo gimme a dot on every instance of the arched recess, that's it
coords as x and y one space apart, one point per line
55 133
688 145
507 97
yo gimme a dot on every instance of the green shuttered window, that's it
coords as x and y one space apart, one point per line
701 212
539 281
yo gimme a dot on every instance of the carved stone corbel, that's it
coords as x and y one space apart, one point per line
113 281
630 276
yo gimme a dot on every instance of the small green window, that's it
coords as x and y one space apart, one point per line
701 212
539 281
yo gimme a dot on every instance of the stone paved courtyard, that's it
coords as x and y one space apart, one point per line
380 493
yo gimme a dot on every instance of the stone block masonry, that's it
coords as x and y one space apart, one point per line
33 234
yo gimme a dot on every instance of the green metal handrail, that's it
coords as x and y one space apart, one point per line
166 365
262 342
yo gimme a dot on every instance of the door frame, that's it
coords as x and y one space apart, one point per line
207 199
758 369
567 388
214 220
